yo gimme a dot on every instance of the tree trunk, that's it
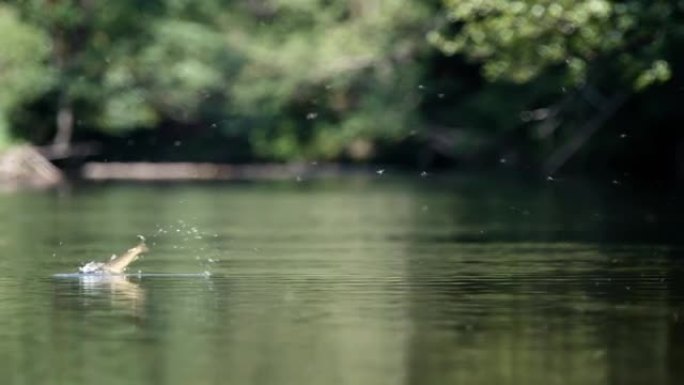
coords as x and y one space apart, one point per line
65 125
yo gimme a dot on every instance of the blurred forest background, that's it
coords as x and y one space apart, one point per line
545 86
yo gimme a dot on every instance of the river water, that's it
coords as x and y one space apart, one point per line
381 280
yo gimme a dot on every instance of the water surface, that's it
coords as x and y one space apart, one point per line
354 281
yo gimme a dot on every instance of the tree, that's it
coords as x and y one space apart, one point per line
85 37
600 52
23 71
120 66
518 40
327 79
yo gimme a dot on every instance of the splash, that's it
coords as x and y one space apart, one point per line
91 267
115 265
189 239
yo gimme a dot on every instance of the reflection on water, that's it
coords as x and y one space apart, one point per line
117 289
353 282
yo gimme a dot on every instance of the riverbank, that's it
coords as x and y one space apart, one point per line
185 171
27 167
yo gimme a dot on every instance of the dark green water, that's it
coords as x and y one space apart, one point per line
355 281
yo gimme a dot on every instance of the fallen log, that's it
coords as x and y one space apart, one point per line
143 171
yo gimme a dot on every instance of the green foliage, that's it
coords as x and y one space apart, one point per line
23 73
5 138
169 78
329 79
321 76
518 40
303 78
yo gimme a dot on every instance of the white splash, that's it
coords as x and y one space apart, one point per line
91 267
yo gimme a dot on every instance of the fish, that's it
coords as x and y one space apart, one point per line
117 264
